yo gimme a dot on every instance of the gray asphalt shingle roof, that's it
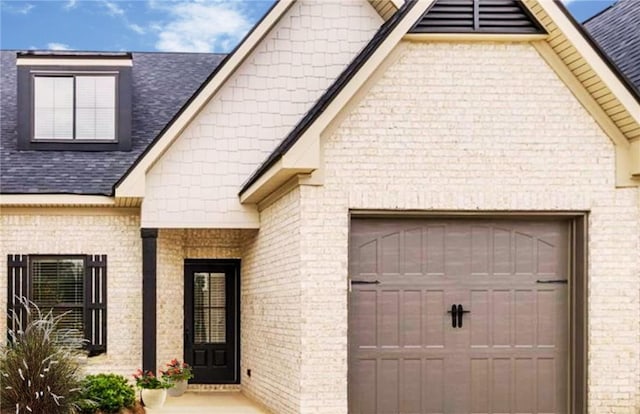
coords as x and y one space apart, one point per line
162 84
617 31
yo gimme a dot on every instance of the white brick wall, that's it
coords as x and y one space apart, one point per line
196 182
471 126
271 296
78 231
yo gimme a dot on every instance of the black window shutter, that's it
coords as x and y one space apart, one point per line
95 299
18 291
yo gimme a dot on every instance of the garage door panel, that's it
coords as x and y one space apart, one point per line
524 254
547 317
414 252
411 386
546 385
525 385
480 245
501 318
388 387
523 308
433 387
367 375
390 255
412 318
433 319
502 263
501 384
367 258
363 322
479 320
546 261
457 250
389 318
435 250
480 383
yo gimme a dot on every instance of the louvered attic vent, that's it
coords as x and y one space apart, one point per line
481 16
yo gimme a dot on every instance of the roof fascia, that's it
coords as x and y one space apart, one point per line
302 152
132 184
17 200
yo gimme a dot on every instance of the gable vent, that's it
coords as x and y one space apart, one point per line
482 16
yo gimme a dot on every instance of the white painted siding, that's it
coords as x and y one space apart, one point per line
196 182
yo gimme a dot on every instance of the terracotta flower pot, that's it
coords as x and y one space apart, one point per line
153 398
179 387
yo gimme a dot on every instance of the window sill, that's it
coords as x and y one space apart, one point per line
60 145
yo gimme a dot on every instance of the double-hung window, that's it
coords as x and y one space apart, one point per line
73 286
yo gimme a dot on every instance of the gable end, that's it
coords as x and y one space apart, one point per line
477 16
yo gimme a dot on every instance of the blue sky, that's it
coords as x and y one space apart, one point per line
148 25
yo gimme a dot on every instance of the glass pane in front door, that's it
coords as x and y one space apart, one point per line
209 307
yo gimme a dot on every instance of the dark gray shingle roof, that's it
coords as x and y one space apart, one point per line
162 83
617 31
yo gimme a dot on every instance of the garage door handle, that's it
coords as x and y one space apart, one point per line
365 282
461 312
454 316
565 281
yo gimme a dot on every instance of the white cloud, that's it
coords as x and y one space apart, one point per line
58 46
118 12
113 8
201 26
17 7
136 28
71 4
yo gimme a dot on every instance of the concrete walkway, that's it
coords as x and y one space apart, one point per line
218 402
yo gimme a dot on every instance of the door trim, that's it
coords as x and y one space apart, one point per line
213 262
578 221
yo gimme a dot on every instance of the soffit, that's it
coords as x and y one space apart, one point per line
385 8
586 74
66 200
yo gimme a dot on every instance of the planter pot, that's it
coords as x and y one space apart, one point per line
153 398
179 387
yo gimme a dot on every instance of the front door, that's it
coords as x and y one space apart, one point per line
458 316
211 322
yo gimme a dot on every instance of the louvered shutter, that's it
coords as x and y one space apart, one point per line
95 300
18 289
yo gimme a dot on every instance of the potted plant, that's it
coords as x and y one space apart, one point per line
177 373
153 390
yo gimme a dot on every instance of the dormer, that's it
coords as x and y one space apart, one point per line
69 101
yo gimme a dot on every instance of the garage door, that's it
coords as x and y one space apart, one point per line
458 316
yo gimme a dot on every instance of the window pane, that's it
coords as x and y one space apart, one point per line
58 285
58 281
53 104
95 107
209 308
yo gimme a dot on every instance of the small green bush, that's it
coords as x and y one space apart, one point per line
108 393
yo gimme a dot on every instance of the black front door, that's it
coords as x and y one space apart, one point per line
211 320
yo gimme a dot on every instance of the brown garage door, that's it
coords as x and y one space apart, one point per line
409 353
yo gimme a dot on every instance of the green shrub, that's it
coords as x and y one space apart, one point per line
39 374
107 392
